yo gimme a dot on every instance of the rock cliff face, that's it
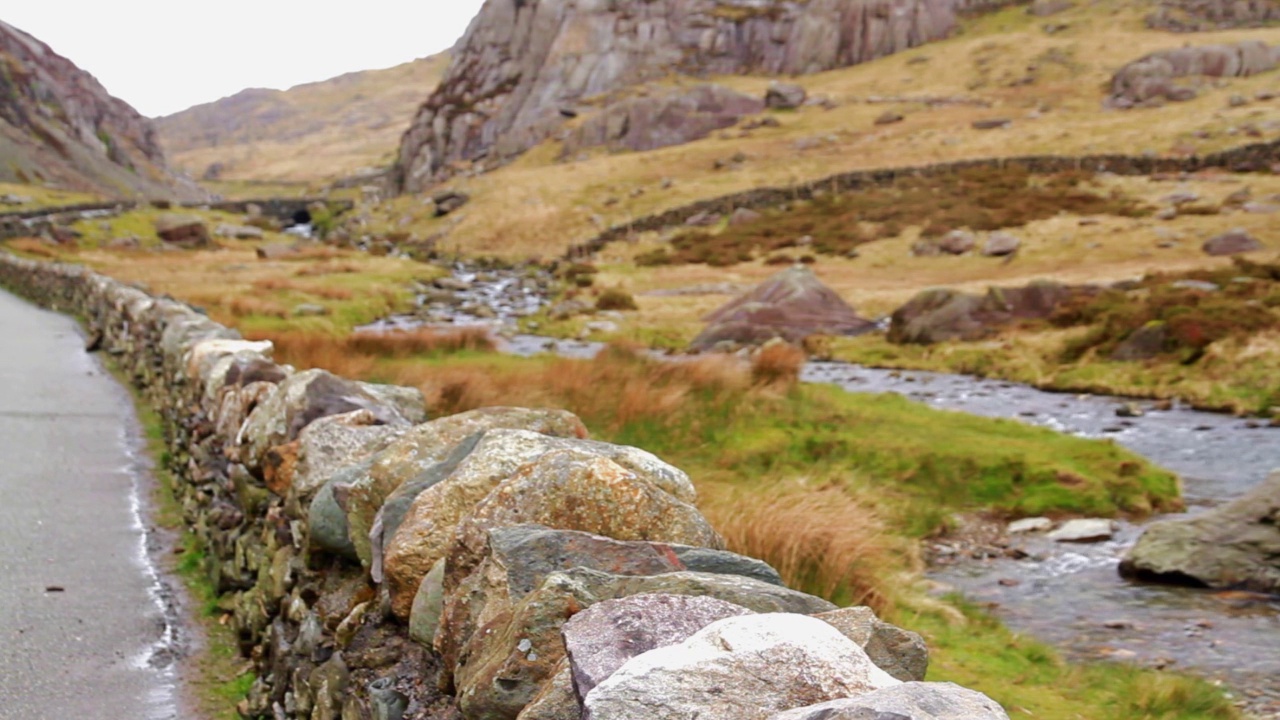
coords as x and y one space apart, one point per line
58 124
1203 15
524 66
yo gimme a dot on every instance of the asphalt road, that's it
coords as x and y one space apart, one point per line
80 618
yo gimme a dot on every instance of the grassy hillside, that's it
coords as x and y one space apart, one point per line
317 131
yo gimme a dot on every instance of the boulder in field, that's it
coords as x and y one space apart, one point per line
238 232
1158 76
791 305
1233 546
908 701
739 668
785 96
1232 242
957 242
185 231
1000 244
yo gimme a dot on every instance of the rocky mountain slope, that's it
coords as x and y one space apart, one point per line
315 131
524 68
59 125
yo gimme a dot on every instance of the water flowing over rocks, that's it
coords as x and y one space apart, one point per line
299 485
523 69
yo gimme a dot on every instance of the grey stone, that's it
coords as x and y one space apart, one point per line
901 653
428 604
999 244
1232 242
1233 546
739 668
1084 530
908 701
785 96
1029 525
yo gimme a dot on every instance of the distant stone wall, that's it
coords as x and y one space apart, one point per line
493 564
24 223
1249 158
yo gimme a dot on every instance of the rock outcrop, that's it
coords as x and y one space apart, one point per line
525 67
1234 546
943 314
1169 74
791 305
1203 15
661 119
58 124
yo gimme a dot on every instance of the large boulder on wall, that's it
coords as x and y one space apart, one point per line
522 68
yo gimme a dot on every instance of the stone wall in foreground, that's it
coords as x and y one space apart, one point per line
491 565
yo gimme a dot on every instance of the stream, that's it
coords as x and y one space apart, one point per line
1069 595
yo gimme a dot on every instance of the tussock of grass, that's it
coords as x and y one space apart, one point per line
777 364
356 354
824 541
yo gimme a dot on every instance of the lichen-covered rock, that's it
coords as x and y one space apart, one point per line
602 638
556 700
310 395
1233 546
524 67
901 653
334 442
419 449
427 530
912 701
575 489
739 668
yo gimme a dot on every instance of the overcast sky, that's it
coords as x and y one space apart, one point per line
163 56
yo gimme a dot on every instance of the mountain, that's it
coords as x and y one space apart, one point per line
523 69
58 125
320 130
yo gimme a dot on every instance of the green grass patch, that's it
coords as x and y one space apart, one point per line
1030 679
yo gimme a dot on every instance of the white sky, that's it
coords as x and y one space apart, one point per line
163 56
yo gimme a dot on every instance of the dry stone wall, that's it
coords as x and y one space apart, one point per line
376 564
1257 157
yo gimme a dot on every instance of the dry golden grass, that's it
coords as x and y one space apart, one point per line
822 540
356 354
777 364
538 206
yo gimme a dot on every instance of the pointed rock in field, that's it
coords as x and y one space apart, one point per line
791 305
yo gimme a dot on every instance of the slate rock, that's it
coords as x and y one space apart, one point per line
739 668
428 604
908 701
